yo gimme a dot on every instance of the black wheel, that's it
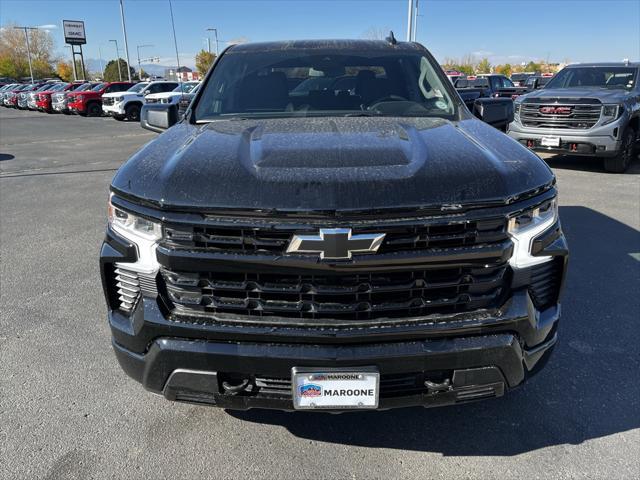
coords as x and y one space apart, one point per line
94 109
621 162
133 112
119 117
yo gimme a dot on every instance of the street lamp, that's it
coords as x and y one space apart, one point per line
117 58
215 31
138 47
26 37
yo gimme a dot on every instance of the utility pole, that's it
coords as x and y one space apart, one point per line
117 58
215 31
138 47
410 21
26 37
126 44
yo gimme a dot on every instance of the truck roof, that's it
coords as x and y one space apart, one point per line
604 64
349 44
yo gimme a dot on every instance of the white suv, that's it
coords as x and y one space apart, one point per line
174 95
121 105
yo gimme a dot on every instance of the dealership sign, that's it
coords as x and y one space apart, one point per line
74 32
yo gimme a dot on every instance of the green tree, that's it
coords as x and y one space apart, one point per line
532 67
111 71
484 66
505 69
204 60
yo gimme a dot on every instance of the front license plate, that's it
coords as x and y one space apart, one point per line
315 388
550 141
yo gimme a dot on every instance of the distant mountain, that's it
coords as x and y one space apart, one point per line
93 65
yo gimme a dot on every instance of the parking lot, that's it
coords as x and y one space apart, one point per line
68 411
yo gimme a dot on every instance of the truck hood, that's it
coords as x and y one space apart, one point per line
604 95
330 164
122 94
163 95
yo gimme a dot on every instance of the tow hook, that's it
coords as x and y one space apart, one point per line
235 389
433 388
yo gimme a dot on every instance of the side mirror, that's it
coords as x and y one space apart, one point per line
497 112
145 92
158 117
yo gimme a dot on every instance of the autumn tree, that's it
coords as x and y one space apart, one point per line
204 60
14 60
64 70
505 69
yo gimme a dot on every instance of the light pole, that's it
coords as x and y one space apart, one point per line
26 37
215 32
126 44
117 58
138 47
175 42
410 21
101 63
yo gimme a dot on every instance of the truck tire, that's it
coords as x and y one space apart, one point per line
94 109
623 159
119 117
133 112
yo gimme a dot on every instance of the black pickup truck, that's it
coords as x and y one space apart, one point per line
532 83
481 86
370 244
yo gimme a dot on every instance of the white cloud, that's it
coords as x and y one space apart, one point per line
482 53
49 26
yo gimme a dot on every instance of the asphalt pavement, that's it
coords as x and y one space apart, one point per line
68 411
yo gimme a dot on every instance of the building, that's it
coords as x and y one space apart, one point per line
183 74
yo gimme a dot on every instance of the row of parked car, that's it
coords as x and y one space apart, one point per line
121 100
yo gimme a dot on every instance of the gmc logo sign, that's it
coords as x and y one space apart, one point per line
555 110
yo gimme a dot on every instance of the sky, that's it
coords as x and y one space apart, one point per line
510 31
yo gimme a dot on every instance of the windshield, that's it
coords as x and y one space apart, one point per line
185 87
603 77
98 87
138 87
324 82
85 87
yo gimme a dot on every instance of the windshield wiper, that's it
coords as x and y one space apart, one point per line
363 114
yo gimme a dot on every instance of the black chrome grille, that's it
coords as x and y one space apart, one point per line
545 283
362 296
275 240
578 116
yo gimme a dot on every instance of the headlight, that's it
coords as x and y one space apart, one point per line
525 227
118 99
132 226
611 113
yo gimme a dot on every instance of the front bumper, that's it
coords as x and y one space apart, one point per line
467 357
598 141
115 109
76 107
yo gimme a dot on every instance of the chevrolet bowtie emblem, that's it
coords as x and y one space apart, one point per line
335 243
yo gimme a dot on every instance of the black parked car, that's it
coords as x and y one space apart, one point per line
368 247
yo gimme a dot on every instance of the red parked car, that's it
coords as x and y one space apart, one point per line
43 99
89 103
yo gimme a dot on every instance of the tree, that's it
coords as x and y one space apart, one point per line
111 71
13 53
64 70
484 66
204 60
505 69
532 67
